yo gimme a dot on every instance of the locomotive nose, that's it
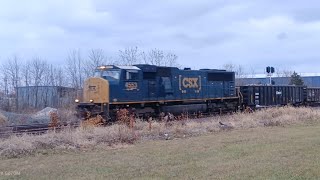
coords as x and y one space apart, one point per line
96 90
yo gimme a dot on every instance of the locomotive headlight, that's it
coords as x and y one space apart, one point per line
91 100
77 101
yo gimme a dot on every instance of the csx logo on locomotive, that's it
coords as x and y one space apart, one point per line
190 82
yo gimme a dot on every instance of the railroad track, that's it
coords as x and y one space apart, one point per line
35 129
38 129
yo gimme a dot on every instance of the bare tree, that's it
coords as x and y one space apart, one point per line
156 57
59 76
229 67
11 76
129 56
52 76
238 69
5 83
75 68
160 58
4 100
11 71
239 72
252 73
39 70
144 57
283 72
26 74
171 60
96 58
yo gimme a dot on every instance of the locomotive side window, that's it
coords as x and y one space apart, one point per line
149 75
220 77
131 75
166 82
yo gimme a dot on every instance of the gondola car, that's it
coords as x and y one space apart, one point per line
257 96
312 96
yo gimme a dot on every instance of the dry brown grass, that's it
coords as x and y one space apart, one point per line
266 117
256 153
87 138
3 119
72 139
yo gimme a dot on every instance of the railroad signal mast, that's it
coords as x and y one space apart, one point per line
270 71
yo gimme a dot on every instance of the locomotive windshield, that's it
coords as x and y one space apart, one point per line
108 74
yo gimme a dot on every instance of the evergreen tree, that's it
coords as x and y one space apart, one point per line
296 79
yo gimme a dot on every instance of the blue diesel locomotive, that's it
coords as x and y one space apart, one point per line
148 90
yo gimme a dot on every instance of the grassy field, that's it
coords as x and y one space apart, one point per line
258 153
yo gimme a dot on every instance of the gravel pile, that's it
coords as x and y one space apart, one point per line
44 113
11 118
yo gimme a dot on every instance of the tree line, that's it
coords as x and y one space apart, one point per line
37 71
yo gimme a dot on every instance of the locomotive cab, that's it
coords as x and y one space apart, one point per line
107 87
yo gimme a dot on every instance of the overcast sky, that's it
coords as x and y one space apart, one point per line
203 33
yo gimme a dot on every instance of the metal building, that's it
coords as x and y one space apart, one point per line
39 97
309 79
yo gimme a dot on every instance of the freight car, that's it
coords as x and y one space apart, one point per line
148 90
256 96
312 96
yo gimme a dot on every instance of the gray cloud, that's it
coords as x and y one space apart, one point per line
210 33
